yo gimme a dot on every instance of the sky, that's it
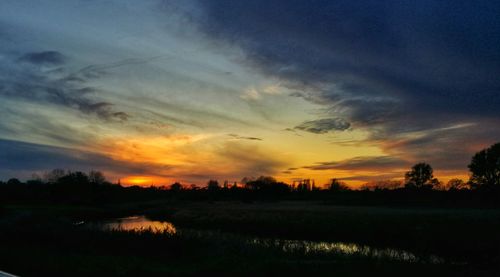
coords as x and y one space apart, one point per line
153 92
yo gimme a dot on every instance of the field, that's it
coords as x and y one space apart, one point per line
216 237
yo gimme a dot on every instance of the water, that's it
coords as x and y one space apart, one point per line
141 224
137 224
314 247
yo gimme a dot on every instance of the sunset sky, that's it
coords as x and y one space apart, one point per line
152 92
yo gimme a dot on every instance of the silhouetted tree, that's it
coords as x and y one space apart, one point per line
420 177
34 182
13 182
268 185
176 187
53 176
245 181
74 179
456 184
96 177
213 185
194 187
304 185
382 185
336 186
485 168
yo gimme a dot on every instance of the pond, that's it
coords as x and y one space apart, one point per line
142 223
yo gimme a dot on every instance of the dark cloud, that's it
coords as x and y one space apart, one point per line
322 126
392 68
42 58
372 178
21 156
378 163
24 78
33 126
448 148
235 136
370 49
418 53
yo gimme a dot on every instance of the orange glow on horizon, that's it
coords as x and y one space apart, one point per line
213 155
172 150
141 181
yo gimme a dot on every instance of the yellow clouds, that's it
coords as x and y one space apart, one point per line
253 93
167 150
193 158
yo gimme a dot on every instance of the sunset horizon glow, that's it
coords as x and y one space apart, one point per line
156 92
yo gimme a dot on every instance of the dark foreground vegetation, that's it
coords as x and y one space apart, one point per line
43 230
213 238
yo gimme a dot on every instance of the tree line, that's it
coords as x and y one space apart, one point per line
61 185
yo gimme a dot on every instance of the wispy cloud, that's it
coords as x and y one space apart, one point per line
235 136
24 78
325 125
388 70
21 156
377 163
45 57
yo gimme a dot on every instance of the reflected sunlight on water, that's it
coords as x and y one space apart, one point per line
139 224
344 248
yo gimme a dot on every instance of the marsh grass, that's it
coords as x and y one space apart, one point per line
464 235
217 239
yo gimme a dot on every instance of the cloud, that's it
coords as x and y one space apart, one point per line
378 163
29 157
323 126
244 159
35 126
45 57
408 51
251 94
235 136
23 78
254 94
388 68
371 178
447 148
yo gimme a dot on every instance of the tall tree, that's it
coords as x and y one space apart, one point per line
485 168
420 177
337 185
213 185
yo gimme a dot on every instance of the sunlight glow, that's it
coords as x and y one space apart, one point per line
138 180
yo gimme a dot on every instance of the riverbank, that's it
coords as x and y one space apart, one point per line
45 239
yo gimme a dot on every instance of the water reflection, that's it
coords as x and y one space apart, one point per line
141 223
312 247
138 224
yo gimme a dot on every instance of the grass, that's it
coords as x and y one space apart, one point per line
466 235
43 241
